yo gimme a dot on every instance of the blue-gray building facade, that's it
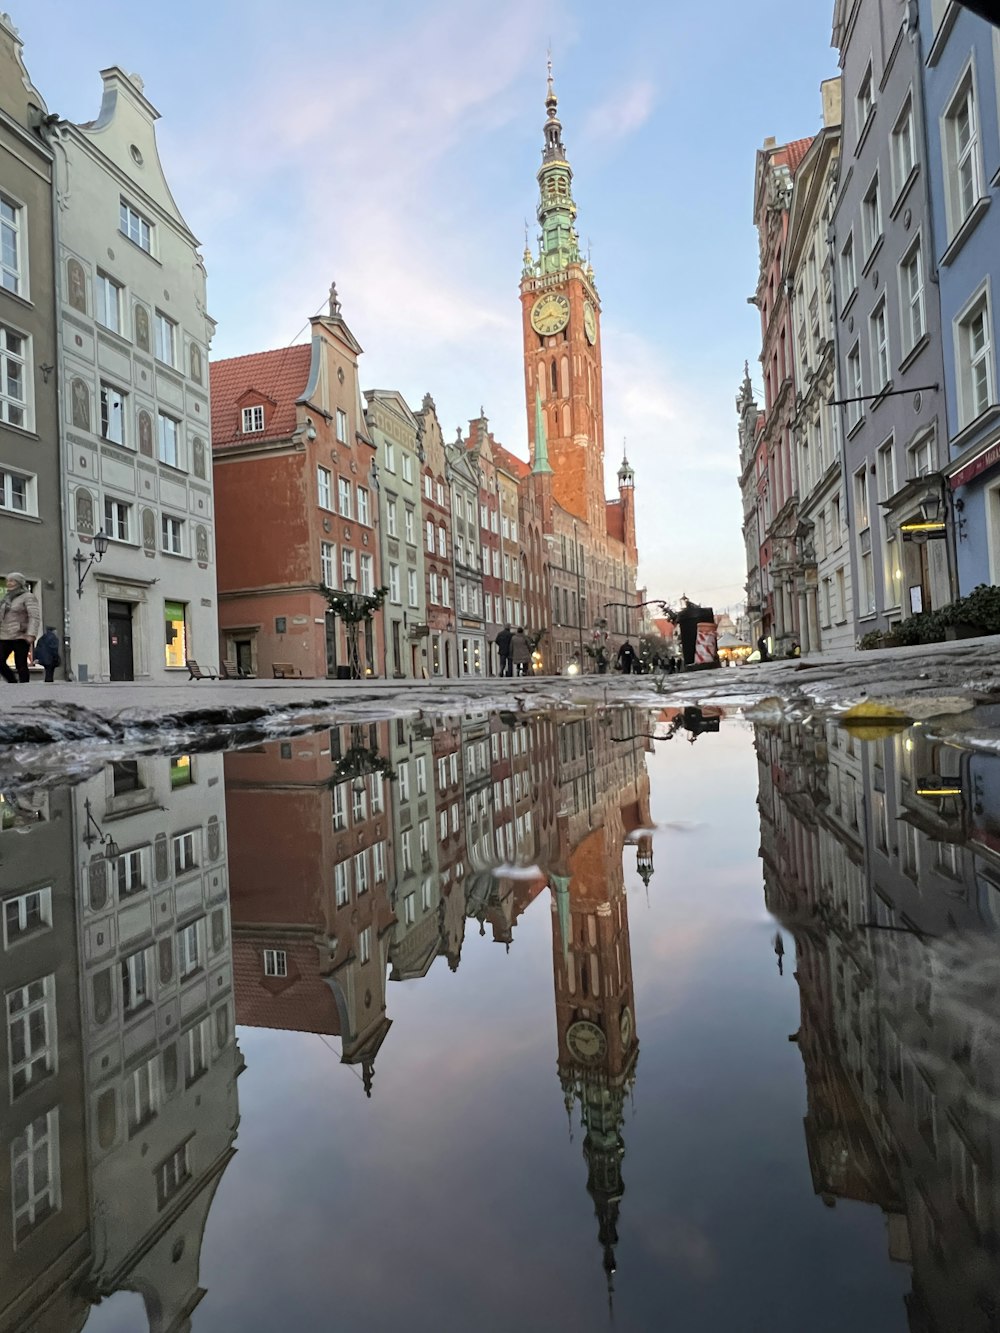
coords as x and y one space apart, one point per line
888 341
961 94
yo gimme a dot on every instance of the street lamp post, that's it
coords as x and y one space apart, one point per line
354 599
83 565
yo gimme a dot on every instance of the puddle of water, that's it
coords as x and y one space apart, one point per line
506 1021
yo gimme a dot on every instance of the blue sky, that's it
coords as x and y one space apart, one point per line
393 146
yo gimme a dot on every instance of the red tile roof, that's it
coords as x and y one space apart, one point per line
280 376
509 462
796 151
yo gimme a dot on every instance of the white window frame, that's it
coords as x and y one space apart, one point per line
864 102
345 504
911 296
138 969
878 334
135 226
16 377
37 902
189 949
172 1175
253 419
394 596
341 884
390 517
365 945
168 433
110 402
109 295
14 267
21 487
962 162
165 339
117 519
407 467
327 563
324 488
412 589
129 873
341 425
366 581
185 853
904 135
172 534
39 1203
408 527
969 410
871 216
855 386
24 1006
363 506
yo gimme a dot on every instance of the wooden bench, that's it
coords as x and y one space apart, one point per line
227 672
285 671
196 672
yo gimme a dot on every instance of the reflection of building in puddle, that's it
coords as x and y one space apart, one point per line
342 878
158 1024
881 859
120 1043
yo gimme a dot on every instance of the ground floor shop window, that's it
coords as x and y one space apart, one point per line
175 617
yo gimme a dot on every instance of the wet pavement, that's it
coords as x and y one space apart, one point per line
582 1018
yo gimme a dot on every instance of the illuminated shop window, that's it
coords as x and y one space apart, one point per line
176 633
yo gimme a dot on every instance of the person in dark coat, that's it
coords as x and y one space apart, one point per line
626 658
520 652
503 648
765 656
46 653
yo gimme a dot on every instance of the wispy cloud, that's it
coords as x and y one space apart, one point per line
622 113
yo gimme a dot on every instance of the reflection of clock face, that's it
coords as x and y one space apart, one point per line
626 1025
550 313
590 323
586 1041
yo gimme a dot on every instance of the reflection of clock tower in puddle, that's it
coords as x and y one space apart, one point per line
598 1048
562 343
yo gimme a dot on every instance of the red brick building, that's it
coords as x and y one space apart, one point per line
295 507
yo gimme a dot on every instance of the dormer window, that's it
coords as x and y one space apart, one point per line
253 419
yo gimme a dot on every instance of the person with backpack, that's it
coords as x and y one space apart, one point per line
46 653
503 649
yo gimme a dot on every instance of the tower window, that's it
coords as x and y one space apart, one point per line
555 377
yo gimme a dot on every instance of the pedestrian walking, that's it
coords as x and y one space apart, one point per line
762 648
20 621
502 642
520 652
46 653
626 658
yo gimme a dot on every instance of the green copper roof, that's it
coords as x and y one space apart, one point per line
541 463
559 244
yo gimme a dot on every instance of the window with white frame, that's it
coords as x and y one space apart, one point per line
189 949
113 403
911 295
348 565
127 870
253 419
854 386
430 537
365 945
454 818
168 440
172 533
439 491
165 339
359 802
409 909
394 584
433 588
13 271
117 516
407 467
132 224
31 1033
421 775
921 456
445 590
172 1175
412 595
904 154
363 506
341 884
143 1094
109 302
406 852
886 471
367 583
871 216
424 831
864 104
26 914
443 825
376 791
327 555
390 517
15 378
341 425
323 488
184 853
275 963
17 492
410 534
390 456
339 808
196 1044
974 348
344 497
403 780
879 335
963 169
34 1174
136 982
361 872
442 542
863 533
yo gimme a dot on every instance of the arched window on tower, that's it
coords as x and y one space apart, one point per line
555 377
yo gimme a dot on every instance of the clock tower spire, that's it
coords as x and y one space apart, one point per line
562 339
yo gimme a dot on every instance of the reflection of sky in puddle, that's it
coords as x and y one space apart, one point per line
456 1197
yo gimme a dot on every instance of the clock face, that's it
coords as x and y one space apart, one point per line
626 1025
590 323
586 1041
550 313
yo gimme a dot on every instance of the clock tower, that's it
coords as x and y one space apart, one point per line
561 317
